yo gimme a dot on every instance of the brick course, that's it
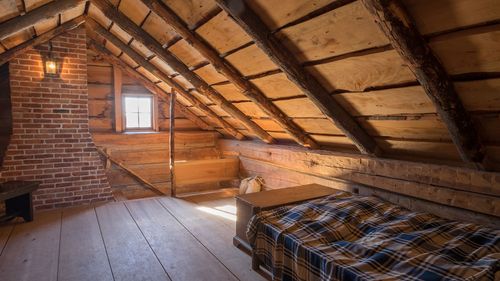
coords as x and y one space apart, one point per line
51 142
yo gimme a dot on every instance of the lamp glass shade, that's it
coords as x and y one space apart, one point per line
50 66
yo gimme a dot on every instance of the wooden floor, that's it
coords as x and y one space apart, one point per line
146 239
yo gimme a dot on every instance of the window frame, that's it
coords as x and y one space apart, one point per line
152 111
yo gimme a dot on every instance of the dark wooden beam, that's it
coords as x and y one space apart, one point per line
39 14
288 63
155 47
140 60
232 74
9 54
110 58
396 23
171 144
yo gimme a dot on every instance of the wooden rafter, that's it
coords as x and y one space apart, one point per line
9 54
156 48
95 27
288 63
395 22
233 75
110 58
39 14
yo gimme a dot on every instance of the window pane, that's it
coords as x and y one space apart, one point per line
131 105
132 120
144 104
145 120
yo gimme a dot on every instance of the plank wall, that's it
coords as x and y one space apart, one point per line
101 99
452 192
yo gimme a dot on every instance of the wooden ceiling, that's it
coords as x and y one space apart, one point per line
353 73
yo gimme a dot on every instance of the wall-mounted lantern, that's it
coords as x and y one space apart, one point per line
51 66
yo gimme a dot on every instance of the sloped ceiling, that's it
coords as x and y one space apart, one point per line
339 43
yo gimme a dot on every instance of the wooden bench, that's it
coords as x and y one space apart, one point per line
18 199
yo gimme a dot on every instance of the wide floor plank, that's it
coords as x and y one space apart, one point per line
82 254
215 233
129 254
180 253
32 252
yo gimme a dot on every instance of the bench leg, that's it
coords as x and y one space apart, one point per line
20 206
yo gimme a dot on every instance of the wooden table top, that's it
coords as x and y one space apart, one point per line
283 196
12 189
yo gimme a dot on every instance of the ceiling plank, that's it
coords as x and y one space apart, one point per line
246 88
399 27
110 58
288 63
93 26
72 24
155 47
27 20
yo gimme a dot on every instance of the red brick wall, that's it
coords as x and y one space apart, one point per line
51 142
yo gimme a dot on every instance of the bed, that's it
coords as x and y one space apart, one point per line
350 237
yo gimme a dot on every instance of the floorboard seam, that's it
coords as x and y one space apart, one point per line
104 243
8 238
196 238
59 243
147 241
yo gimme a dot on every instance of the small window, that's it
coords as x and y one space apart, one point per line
138 112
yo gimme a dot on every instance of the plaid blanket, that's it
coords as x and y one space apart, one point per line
348 237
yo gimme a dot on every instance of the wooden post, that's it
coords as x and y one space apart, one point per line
117 89
171 145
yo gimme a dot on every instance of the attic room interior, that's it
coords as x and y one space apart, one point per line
249 140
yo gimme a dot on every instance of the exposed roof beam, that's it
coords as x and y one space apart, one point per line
140 60
44 12
109 57
9 54
395 22
155 47
246 88
289 64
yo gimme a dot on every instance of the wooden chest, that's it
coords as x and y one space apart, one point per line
247 205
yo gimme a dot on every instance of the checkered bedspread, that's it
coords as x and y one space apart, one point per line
347 237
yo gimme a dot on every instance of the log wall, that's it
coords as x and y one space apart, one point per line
447 191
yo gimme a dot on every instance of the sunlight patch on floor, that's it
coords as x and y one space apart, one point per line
217 212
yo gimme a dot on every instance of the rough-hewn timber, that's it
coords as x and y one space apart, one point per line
45 12
155 47
247 88
162 76
395 22
9 54
287 62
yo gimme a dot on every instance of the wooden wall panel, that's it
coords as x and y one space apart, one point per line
223 34
259 61
437 16
346 29
362 72
187 54
277 86
276 13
